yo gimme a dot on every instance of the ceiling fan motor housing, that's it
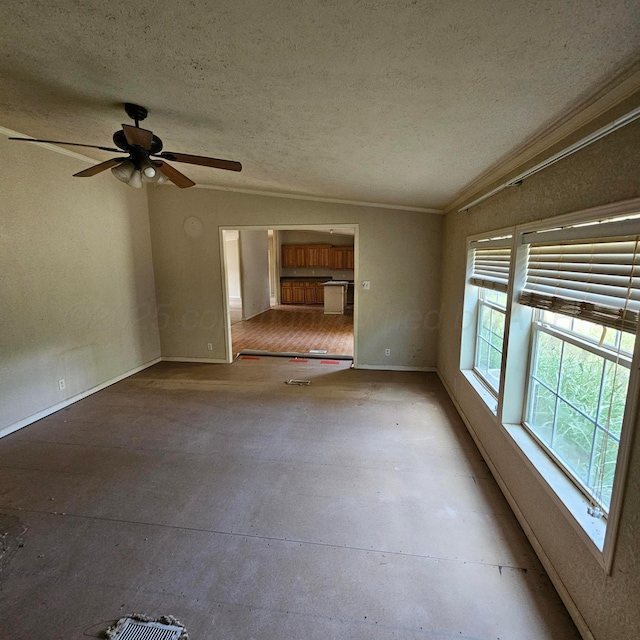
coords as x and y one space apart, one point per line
120 141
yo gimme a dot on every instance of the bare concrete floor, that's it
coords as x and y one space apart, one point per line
357 507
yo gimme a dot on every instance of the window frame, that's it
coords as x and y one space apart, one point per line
604 352
470 314
599 536
493 306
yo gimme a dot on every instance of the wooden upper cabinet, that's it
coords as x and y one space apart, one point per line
293 256
318 255
321 256
342 258
350 257
288 256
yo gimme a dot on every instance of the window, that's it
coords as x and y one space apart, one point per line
490 273
576 398
490 336
548 343
584 282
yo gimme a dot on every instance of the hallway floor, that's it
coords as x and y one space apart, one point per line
354 508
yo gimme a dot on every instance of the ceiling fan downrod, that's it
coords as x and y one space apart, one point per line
135 112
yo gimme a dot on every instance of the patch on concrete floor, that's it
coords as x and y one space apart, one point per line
140 627
11 537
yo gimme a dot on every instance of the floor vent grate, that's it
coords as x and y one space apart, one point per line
136 630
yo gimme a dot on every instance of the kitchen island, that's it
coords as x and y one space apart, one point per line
335 296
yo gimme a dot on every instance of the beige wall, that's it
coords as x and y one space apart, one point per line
233 264
77 297
607 171
254 267
399 252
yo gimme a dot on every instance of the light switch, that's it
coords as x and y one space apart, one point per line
366 284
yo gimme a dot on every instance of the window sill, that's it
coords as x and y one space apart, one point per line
487 397
563 492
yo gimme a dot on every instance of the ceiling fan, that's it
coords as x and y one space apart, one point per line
146 160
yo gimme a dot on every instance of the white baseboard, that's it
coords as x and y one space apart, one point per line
555 578
69 401
391 367
201 360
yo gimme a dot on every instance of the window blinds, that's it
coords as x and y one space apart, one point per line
491 259
591 272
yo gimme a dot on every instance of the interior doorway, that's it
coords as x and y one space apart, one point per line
275 305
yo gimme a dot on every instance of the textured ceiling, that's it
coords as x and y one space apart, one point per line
403 102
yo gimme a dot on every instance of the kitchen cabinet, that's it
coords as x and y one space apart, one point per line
342 258
310 292
301 292
286 293
293 256
318 255
298 296
311 256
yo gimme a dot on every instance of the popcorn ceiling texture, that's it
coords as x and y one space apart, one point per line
398 102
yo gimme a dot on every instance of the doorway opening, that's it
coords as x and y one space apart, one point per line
276 279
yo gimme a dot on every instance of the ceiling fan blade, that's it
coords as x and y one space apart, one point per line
137 137
97 168
179 179
229 165
71 144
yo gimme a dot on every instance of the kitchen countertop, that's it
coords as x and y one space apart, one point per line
303 279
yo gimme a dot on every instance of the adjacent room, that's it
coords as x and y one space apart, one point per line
319 320
291 291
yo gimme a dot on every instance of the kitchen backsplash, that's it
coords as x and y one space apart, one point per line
330 274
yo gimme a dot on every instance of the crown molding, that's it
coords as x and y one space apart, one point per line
294 196
614 100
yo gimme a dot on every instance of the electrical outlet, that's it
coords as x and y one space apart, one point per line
387 352
366 284
61 384
209 346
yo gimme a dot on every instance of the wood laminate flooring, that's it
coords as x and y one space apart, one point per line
295 329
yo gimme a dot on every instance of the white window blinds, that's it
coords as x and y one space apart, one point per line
491 260
591 272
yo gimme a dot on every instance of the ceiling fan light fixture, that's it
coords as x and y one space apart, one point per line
136 179
141 145
149 170
124 171
162 179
